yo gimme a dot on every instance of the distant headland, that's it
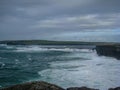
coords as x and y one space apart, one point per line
48 42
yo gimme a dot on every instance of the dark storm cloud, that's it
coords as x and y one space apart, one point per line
31 19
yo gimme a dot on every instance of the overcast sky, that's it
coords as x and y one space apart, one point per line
83 20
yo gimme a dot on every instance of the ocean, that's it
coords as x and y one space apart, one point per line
65 66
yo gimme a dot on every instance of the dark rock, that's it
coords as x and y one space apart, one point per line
41 85
117 88
38 85
81 88
109 50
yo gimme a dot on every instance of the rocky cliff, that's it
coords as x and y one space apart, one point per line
109 50
40 85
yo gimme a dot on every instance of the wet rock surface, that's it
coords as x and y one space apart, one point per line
109 50
41 85
38 85
117 88
81 88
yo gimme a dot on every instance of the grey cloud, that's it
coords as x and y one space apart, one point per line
44 18
90 21
61 7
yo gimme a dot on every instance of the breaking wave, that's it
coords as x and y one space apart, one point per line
40 48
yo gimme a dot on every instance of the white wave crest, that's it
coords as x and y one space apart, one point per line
41 48
2 64
3 45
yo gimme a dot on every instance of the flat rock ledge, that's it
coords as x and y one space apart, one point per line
41 85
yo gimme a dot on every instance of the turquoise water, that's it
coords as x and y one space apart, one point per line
61 65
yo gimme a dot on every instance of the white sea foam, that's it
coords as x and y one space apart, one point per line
2 64
28 49
38 48
3 45
52 48
91 73
9 47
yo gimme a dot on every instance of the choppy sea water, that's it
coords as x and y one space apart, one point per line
64 66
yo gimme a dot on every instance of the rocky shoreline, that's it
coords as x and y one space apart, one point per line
109 50
41 85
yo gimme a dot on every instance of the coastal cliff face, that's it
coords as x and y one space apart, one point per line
40 85
34 86
109 50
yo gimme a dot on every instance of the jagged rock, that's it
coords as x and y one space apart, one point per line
81 88
38 85
109 50
117 88
41 85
